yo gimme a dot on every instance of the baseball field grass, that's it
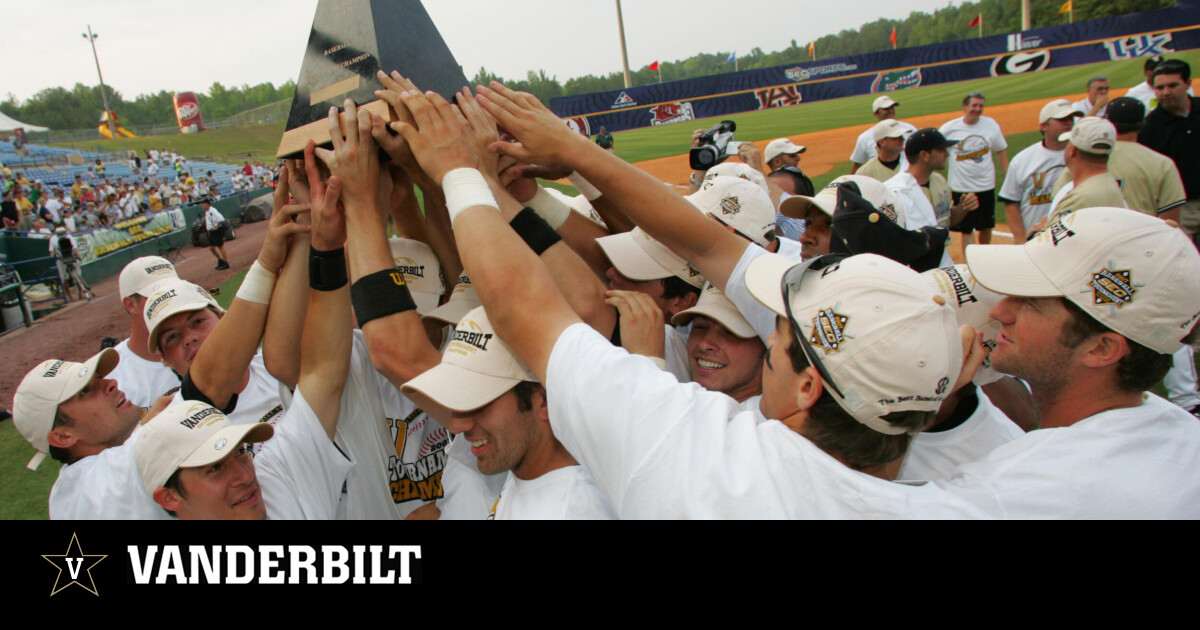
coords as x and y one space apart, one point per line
23 494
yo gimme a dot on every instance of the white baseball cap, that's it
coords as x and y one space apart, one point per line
738 169
871 189
883 102
140 275
637 256
422 271
477 367
47 386
885 339
972 303
1057 109
189 434
890 128
1092 135
462 299
1134 273
781 146
714 305
738 203
171 297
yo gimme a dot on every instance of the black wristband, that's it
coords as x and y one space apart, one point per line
380 294
538 234
326 270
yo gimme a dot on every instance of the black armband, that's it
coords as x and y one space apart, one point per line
380 294
537 234
327 270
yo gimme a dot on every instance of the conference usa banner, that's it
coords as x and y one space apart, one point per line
1160 32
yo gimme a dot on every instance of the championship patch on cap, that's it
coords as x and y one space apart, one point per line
829 329
730 205
1113 287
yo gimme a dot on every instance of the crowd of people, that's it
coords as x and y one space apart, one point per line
631 352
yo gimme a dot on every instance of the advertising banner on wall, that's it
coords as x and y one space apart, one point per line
1160 32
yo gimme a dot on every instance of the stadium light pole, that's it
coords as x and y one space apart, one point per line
91 37
624 52
1026 20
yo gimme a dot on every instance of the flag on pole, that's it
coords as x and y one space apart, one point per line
654 66
812 50
979 20
732 57
893 37
1066 8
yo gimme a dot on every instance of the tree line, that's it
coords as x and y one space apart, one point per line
918 29
80 107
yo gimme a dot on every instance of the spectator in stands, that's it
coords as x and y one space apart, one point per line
40 230
68 220
24 206
77 187
8 210
152 168
99 170
86 195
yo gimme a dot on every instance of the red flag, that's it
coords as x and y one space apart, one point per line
893 37
976 21
654 66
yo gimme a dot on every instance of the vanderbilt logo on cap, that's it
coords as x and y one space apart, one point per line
829 330
409 267
52 371
472 335
1059 233
731 205
159 301
198 413
1112 287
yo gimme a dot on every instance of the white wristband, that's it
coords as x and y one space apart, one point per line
589 192
554 210
466 188
257 285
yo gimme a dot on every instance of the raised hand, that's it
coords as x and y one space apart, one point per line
544 139
354 159
282 226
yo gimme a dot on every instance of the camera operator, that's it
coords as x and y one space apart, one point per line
66 254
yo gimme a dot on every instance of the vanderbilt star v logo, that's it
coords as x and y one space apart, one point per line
74 568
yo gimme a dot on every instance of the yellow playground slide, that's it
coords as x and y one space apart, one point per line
121 131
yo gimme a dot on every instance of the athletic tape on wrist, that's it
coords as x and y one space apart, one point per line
536 232
554 210
590 192
466 188
380 294
257 285
327 269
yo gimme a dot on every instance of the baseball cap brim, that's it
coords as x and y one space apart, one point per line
212 450
1008 270
764 280
453 311
457 388
636 263
796 206
426 302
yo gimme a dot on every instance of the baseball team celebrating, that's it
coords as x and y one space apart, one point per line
511 352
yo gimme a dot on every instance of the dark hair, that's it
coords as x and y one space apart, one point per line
1175 66
61 455
524 392
1128 127
836 432
175 485
978 95
1139 370
676 287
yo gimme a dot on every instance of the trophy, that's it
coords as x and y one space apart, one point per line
350 41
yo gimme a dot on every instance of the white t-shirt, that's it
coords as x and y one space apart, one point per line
564 494
212 219
302 473
760 318
1085 107
140 380
1134 463
469 495
400 447
1030 181
104 486
264 399
936 455
971 167
676 354
864 147
918 211
657 448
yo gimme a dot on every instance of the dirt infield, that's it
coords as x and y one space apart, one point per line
833 146
74 333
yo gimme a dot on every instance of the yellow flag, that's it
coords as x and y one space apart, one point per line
1066 8
812 49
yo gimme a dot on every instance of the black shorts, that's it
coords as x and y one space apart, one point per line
216 238
983 218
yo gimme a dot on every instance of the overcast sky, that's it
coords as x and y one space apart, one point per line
145 47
